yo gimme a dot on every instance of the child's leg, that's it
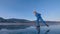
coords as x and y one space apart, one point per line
37 22
43 21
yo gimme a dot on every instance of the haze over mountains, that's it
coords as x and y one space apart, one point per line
14 20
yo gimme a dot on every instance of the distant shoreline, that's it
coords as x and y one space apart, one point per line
30 24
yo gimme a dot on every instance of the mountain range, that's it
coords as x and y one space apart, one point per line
14 20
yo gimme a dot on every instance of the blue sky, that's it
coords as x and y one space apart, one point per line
23 9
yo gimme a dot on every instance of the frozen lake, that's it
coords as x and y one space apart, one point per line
53 29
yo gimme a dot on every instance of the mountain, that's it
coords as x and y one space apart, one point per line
13 20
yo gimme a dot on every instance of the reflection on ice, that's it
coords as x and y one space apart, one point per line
53 29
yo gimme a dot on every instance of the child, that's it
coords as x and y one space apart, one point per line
38 16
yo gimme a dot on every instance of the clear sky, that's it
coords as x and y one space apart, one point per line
23 9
